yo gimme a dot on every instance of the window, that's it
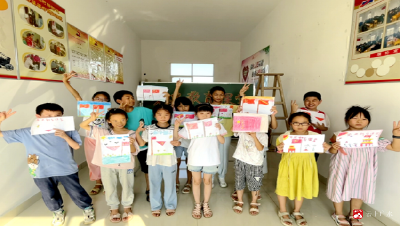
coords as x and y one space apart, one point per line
200 73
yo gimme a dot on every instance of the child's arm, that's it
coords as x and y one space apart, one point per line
395 145
139 138
93 116
67 84
175 95
220 138
335 145
274 122
132 142
176 128
321 127
259 146
73 144
166 95
5 115
294 107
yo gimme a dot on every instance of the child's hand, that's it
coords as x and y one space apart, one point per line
326 146
244 89
60 133
179 83
336 146
166 95
239 110
280 148
176 143
95 114
6 114
253 134
132 140
140 128
295 107
218 126
178 122
68 76
122 106
319 126
396 129
274 111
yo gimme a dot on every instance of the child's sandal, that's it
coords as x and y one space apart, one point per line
357 223
234 196
156 213
196 213
127 216
96 190
186 189
207 213
238 207
339 222
299 222
116 218
284 221
170 212
254 211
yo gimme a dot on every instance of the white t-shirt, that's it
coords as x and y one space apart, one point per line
246 150
162 160
203 151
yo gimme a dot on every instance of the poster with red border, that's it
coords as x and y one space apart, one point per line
256 63
8 67
96 60
41 39
119 59
374 43
110 65
78 44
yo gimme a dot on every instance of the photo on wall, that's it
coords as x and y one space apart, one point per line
393 11
371 19
369 41
7 47
392 35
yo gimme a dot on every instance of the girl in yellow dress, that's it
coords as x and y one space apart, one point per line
298 172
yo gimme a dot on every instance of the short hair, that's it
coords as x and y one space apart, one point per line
216 88
356 110
312 94
297 114
203 107
115 111
183 101
163 107
119 94
103 93
49 107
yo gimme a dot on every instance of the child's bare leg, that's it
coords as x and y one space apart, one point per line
207 186
254 197
355 204
339 211
282 207
239 200
196 186
297 207
189 176
178 163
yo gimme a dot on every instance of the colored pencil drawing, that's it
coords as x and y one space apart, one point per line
85 108
258 105
246 122
202 128
187 116
151 93
303 144
222 111
359 139
115 149
160 142
47 125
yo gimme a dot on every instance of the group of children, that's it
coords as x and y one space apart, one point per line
352 176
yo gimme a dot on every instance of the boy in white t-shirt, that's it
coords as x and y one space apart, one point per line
204 157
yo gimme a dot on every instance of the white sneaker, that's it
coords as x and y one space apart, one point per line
222 182
58 218
212 182
89 216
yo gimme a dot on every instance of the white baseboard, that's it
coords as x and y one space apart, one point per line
7 217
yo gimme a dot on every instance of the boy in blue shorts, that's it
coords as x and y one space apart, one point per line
136 114
50 161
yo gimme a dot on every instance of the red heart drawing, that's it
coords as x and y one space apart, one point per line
161 143
320 119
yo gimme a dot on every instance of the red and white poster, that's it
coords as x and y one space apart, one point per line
374 42
8 67
251 66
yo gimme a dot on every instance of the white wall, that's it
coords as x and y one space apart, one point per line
309 43
158 55
98 19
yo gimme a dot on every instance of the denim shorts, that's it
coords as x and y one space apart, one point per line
180 150
205 169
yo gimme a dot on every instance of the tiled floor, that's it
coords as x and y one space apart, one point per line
317 211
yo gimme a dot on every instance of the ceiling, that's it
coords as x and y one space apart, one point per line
197 20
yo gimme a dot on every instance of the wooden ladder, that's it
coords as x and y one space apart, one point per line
277 86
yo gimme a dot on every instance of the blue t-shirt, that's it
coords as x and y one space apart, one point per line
48 155
134 119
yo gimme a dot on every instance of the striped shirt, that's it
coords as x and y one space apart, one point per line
354 175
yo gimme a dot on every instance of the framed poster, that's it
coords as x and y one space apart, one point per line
8 66
374 42
251 66
96 60
41 40
119 60
111 68
78 44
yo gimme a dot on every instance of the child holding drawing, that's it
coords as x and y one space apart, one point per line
112 173
298 172
311 102
182 104
161 167
204 157
89 144
353 171
217 96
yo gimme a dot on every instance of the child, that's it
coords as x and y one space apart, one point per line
50 161
298 172
89 143
204 157
353 171
116 119
135 114
161 166
217 95
249 159
182 104
311 102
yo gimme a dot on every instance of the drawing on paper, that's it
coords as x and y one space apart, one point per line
303 144
187 116
202 128
245 122
258 105
47 125
359 139
160 142
115 149
85 108
151 93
